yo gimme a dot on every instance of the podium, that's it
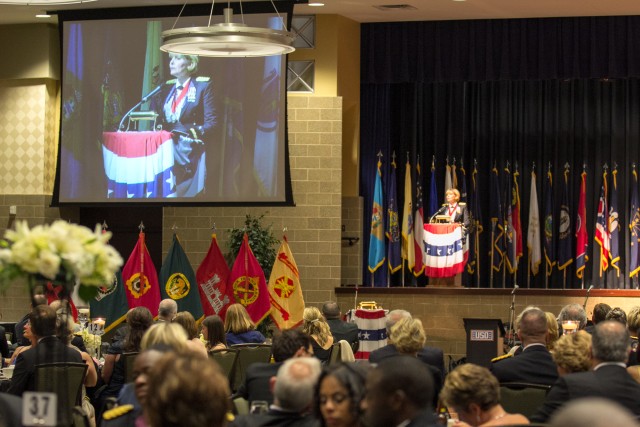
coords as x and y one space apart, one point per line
485 338
445 254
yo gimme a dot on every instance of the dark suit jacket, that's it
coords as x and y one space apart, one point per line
345 331
275 418
424 419
462 214
48 350
609 382
430 355
534 365
256 382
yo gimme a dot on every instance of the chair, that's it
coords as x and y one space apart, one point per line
129 358
240 406
248 354
79 417
335 355
522 398
227 359
65 379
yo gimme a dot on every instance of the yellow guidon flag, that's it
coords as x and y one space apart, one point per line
285 292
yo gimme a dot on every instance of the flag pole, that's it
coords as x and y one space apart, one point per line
403 272
477 249
529 270
494 221
564 279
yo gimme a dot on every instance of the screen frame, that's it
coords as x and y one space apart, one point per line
284 7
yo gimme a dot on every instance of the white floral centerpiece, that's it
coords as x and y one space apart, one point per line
62 253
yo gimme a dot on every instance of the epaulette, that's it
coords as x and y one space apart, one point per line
171 82
116 412
203 79
499 358
462 204
230 417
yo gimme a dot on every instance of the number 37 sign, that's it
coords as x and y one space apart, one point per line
39 409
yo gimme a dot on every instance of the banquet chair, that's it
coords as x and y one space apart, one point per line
129 359
248 354
65 379
522 398
335 355
226 358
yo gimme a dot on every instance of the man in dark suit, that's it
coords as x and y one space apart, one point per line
48 349
20 340
430 355
339 329
293 394
608 379
289 343
534 365
399 391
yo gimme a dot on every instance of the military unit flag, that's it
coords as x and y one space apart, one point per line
408 249
141 279
110 304
614 225
549 232
634 227
601 234
418 226
582 239
393 226
565 257
497 246
212 276
285 293
376 237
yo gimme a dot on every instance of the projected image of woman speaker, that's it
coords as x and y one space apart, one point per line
187 110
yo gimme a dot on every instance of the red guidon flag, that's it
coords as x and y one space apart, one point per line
212 277
141 279
287 303
248 283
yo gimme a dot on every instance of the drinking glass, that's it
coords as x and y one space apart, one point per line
259 407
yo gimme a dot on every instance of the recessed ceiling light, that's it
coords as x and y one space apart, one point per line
316 4
43 2
43 15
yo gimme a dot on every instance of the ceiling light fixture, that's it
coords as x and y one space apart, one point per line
43 2
43 16
228 39
315 4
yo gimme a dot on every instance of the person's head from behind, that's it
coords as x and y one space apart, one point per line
182 66
213 331
618 315
338 394
167 309
139 320
573 312
633 320
294 385
314 325
290 343
600 311
533 326
471 390
610 342
237 320
592 412
43 321
186 320
331 310
393 317
396 390
38 299
163 333
572 353
408 336
142 364
187 392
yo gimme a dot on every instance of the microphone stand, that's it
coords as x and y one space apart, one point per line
142 101
586 298
512 318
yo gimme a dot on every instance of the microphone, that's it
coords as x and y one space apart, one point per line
438 212
150 94
515 288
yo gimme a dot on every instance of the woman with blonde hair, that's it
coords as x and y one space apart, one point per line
474 394
186 320
314 325
163 333
572 353
239 327
552 326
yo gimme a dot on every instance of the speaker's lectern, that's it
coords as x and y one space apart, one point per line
485 339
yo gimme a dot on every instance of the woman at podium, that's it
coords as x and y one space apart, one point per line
456 210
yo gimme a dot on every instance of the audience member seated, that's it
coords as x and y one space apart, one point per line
399 392
573 312
474 394
593 412
293 389
21 340
213 333
63 309
139 320
314 325
338 394
633 325
27 335
167 310
609 378
239 327
49 349
430 355
169 334
572 353
552 329
186 320
339 329
534 365
618 315
133 397
187 391
4 347
600 311
287 344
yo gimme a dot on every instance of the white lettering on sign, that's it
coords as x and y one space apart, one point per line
481 335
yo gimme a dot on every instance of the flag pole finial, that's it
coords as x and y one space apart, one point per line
104 224
174 227
141 226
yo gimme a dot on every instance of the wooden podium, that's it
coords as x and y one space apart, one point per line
445 253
